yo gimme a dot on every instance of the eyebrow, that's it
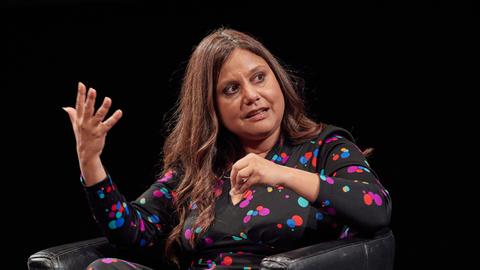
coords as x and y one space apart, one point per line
250 72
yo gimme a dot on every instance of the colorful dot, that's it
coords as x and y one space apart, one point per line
157 193
330 180
367 199
319 216
322 175
100 193
109 260
302 202
244 203
303 160
111 225
153 219
346 188
227 260
298 220
188 234
142 201
208 241
291 223
264 212
352 169
120 222
377 199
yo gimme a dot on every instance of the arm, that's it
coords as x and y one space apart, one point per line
140 223
307 188
345 187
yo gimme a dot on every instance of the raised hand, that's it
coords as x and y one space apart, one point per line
91 130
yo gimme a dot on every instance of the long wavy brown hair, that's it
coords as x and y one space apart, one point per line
198 144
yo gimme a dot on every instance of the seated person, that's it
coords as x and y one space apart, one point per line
246 173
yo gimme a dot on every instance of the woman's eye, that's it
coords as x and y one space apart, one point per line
230 89
259 77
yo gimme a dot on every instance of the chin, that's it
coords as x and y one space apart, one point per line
258 133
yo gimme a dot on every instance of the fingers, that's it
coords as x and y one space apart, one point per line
89 105
240 164
80 98
102 111
240 170
112 120
243 176
233 177
85 108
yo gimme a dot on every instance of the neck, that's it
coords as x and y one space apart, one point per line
261 147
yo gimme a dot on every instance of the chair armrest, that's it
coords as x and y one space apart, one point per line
356 253
73 256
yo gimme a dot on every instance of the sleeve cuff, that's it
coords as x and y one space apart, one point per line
106 181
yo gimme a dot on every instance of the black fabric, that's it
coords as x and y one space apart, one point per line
269 220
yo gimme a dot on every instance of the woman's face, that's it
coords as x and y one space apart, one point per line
249 98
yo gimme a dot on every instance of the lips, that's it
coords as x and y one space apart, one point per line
256 111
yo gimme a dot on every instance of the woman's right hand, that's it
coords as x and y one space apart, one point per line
89 128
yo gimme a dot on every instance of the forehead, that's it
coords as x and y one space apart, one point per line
241 61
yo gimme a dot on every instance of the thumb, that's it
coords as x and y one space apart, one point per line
72 113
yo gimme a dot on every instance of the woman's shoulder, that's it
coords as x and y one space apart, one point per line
169 177
331 133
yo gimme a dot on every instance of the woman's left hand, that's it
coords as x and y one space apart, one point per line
254 169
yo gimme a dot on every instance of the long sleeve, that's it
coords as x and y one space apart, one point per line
140 223
349 188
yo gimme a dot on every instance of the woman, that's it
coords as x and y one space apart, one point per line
246 173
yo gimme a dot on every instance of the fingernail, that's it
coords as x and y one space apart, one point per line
64 108
231 192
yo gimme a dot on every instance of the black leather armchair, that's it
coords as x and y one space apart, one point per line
358 253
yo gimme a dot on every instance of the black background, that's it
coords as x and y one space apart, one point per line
375 69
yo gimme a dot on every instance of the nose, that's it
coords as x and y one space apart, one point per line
250 94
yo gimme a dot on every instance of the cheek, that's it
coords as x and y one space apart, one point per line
228 111
278 101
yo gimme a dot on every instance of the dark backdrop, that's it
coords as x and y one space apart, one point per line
374 69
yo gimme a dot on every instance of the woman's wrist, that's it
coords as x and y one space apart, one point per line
92 171
304 183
